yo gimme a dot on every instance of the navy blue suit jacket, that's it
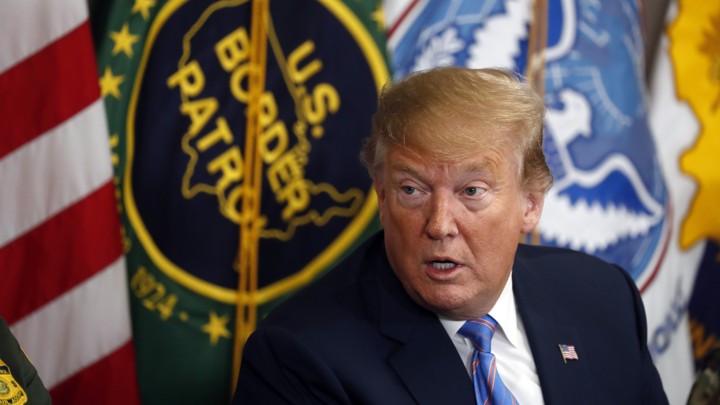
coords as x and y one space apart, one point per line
356 337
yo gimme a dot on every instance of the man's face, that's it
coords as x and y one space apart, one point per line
451 230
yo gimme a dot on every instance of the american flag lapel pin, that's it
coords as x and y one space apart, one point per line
568 353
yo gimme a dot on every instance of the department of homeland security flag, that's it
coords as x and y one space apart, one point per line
62 272
610 196
686 117
228 203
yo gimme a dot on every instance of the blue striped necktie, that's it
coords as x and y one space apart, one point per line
489 388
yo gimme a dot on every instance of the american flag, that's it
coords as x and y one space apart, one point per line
64 286
568 352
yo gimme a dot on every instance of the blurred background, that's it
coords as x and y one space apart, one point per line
172 170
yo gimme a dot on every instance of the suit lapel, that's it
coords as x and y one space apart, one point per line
431 368
562 382
426 359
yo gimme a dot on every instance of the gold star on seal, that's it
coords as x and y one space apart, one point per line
110 84
379 17
143 7
123 40
217 327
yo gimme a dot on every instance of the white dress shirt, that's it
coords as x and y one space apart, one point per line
509 345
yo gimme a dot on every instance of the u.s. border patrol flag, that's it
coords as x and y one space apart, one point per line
686 116
236 127
610 196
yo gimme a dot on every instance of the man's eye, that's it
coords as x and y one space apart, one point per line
473 191
408 189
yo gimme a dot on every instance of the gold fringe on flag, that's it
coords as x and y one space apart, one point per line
535 66
246 314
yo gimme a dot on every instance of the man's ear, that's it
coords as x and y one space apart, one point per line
533 209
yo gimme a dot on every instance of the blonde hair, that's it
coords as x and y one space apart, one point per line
452 112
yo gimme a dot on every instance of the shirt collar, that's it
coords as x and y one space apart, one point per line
504 313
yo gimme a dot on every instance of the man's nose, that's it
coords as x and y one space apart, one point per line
441 221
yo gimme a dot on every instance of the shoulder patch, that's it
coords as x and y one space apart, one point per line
10 390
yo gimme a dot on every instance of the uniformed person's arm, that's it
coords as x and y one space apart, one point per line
19 381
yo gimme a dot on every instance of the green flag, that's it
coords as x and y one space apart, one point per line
238 175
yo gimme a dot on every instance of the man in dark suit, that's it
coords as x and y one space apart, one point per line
457 163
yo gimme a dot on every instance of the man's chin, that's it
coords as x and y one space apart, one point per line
449 304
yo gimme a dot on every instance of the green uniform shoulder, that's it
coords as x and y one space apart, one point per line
19 381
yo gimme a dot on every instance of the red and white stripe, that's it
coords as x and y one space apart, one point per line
64 285
399 16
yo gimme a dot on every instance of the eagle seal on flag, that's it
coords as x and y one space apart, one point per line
609 198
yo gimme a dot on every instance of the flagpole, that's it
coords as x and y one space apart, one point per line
250 224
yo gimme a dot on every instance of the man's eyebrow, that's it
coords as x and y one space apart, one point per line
482 166
403 167
476 166
490 160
